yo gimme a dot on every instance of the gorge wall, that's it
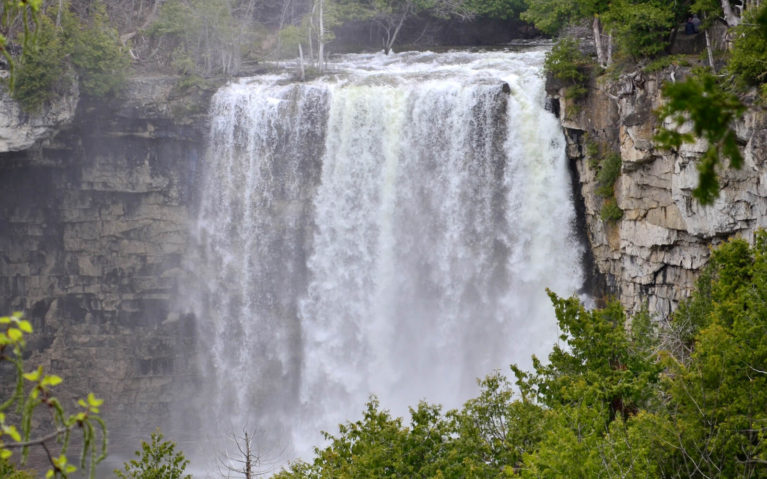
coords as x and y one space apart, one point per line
94 208
652 255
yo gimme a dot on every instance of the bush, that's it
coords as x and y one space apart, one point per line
610 210
609 171
156 460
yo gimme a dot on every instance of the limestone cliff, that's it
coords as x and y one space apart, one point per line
652 255
93 227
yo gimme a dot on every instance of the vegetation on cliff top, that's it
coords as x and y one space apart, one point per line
618 397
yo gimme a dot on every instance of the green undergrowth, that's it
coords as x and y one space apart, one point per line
607 165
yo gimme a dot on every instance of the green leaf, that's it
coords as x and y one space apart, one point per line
93 401
51 380
34 376
15 334
11 431
25 326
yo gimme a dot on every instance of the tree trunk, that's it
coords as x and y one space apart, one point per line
598 41
729 15
390 41
710 51
321 42
301 62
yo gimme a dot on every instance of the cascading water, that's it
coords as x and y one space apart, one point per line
388 229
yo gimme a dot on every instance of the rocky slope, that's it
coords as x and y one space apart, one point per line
651 256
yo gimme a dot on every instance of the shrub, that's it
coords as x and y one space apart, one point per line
609 171
610 210
156 460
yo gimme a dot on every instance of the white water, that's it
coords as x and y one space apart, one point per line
390 229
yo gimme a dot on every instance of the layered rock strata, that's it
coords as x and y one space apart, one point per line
653 254
94 218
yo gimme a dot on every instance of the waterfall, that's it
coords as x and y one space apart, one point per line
389 229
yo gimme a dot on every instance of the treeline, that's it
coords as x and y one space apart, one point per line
49 43
618 397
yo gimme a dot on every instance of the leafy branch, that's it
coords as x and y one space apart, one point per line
701 102
34 389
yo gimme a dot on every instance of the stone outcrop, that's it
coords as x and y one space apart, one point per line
93 228
652 255
20 130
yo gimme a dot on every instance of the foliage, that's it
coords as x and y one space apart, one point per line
502 9
609 171
610 210
720 392
41 74
568 64
748 57
549 16
12 9
565 62
710 111
32 390
617 398
641 29
204 34
100 60
666 61
89 47
155 460
8 471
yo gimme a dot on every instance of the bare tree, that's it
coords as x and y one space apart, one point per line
244 461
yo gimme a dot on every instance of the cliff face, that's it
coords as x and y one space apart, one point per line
93 226
652 255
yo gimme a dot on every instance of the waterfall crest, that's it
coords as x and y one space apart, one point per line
387 230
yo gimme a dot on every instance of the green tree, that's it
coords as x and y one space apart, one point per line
641 29
157 459
97 55
502 9
41 73
720 392
88 47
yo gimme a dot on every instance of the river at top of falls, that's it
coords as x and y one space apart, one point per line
389 228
